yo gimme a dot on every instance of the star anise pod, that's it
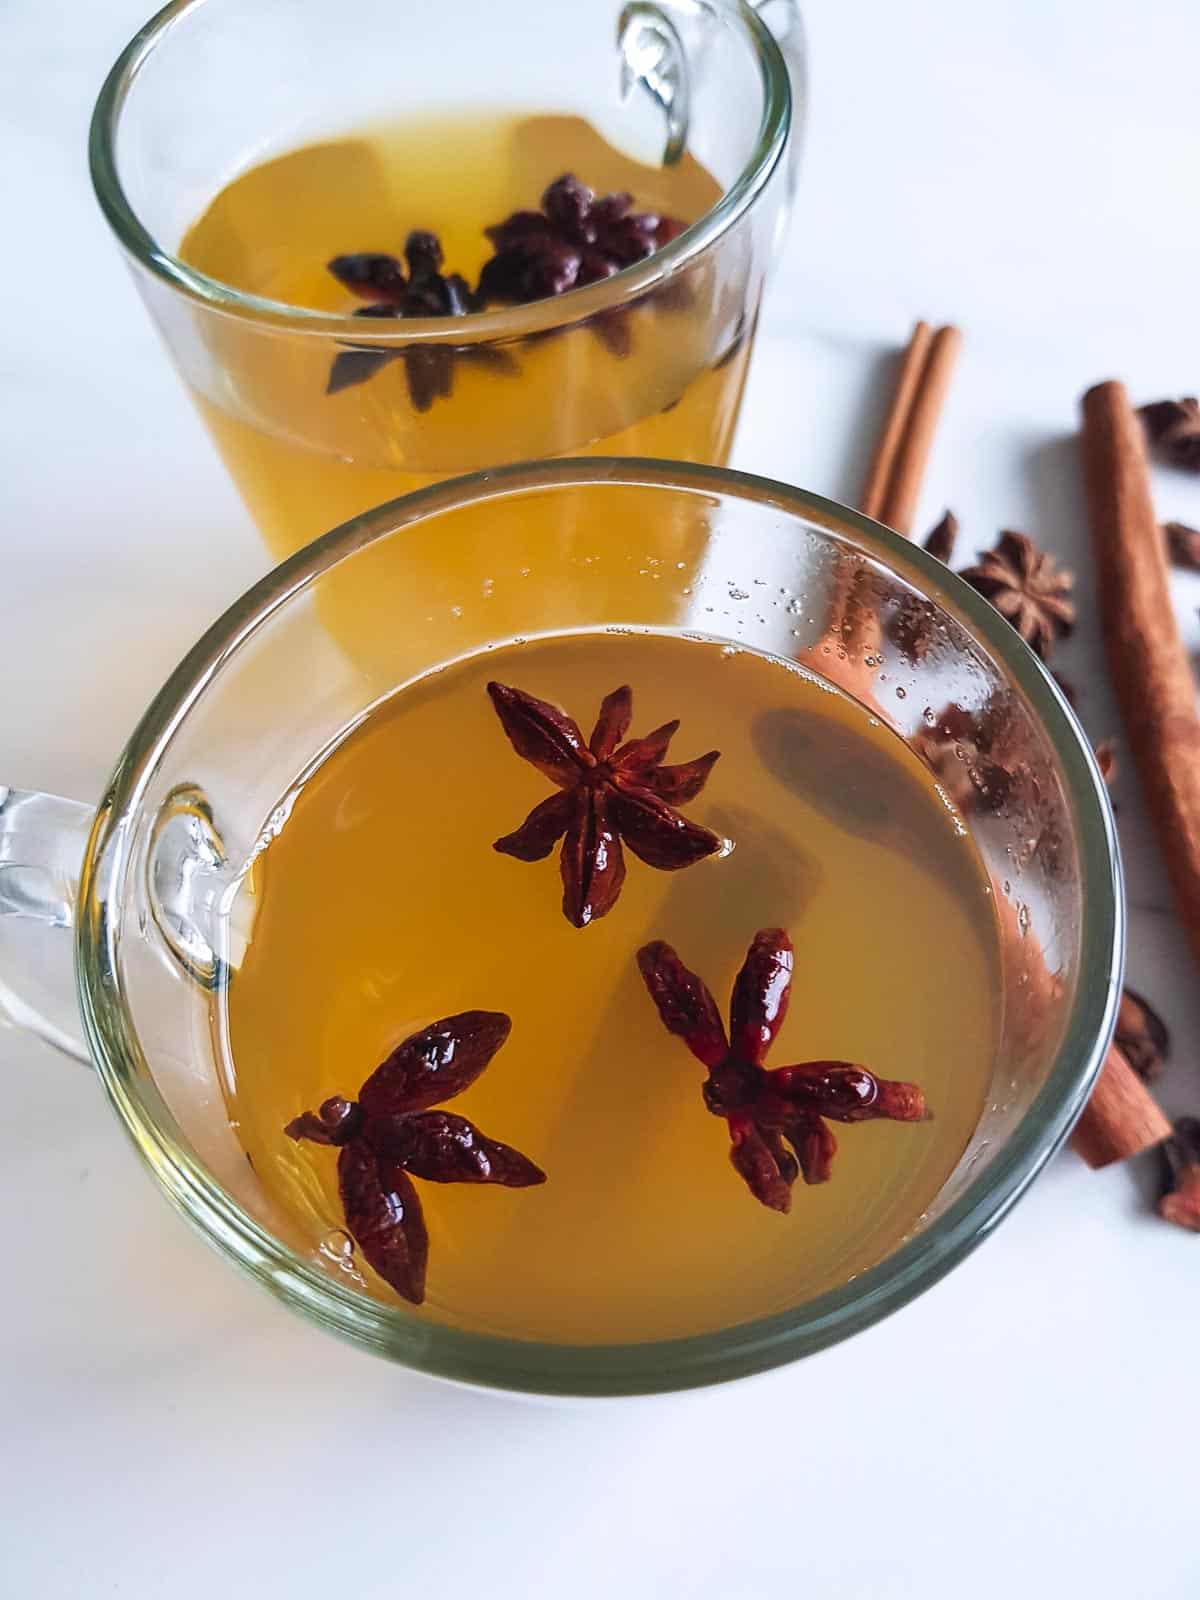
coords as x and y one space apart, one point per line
1180 1202
1028 588
576 238
941 540
1142 1035
391 1134
609 792
1183 545
768 1110
970 753
1173 428
424 292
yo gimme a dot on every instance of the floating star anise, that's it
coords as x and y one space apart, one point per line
391 1134
575 239
608 792
425 292
1173 427
767 1110
1028 588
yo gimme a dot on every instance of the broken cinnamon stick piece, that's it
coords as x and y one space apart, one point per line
1121 1119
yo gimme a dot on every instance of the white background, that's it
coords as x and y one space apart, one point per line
1028 169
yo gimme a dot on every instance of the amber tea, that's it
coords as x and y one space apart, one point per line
611 987
310 443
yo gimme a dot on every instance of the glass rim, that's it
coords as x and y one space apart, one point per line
509 322
601 1369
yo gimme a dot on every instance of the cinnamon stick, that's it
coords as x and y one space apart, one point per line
1149 664
1121 1119
890 494
883 462
898 465
905 487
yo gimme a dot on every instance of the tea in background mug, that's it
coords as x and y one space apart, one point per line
692 108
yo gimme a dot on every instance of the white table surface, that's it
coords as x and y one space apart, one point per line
1027 1428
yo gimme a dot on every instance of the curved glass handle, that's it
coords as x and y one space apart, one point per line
42 845
660 43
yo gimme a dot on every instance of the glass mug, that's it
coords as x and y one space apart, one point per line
212 87
148 880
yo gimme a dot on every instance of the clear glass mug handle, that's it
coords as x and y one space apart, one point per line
660 46
42 844
187 883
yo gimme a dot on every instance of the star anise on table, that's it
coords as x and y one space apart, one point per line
1142 1035
1180 1202
424 292
1173 428
940 541
575 239
1183 545
391 1134
1028 588
768 1110
608 793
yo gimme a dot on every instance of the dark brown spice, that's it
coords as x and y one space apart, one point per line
391 1134
609 792
424 292
913 627
941 541
969 752
767 1110
576 238
1106 760
1142 1036
1028 588
1183 545
1173 429
1180 1202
